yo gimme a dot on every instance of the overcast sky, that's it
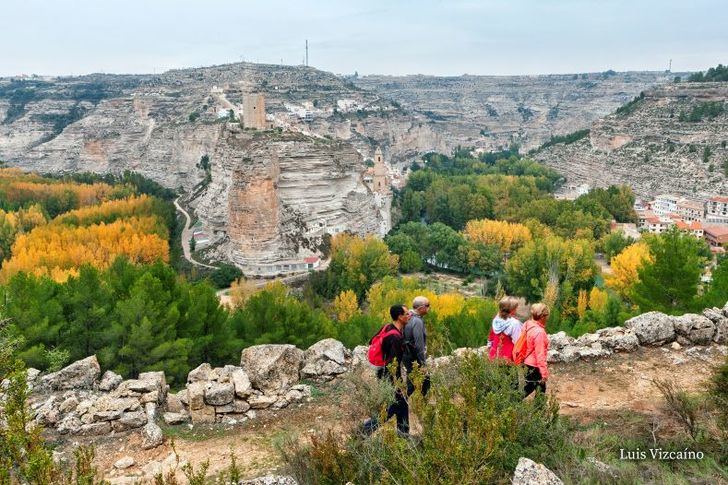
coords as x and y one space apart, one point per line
448 37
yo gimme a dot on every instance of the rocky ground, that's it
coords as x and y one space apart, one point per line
297 393
616 391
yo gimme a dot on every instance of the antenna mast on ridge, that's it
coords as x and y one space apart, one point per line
306 52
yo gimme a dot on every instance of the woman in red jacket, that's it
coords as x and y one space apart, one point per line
537 349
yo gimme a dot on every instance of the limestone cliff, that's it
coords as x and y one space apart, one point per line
671 139
491 112
275 196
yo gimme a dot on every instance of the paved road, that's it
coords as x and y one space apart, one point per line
186 236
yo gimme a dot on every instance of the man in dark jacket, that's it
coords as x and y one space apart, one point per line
415 336
393 350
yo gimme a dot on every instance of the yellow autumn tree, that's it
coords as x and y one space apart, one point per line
624 267
582 303
508 236
240 291
345 305
598 299
109 211
58 250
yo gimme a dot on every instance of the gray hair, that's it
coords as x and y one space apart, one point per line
419 301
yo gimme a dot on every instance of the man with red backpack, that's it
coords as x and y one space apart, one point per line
386 346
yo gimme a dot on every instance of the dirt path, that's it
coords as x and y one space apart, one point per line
587 391
186 236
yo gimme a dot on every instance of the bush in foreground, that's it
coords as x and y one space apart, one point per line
475 427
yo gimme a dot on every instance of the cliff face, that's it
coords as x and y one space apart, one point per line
673 139
160 125
276 195
491 112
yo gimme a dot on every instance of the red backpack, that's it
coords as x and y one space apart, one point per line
375 354
520 348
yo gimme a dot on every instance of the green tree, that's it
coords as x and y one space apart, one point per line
614 243
551 260
273 315
86 305
670 282
717 291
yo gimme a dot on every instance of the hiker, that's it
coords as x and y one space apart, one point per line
415 336
386 346
505 330
536 349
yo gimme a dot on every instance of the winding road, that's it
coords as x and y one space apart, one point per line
186 236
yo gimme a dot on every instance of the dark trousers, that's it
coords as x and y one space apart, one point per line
533 381
399 407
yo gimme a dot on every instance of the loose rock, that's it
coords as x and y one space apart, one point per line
529 472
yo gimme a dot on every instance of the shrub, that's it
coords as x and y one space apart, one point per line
475 427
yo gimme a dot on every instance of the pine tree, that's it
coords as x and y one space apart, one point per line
670 282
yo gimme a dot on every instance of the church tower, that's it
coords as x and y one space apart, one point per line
380 172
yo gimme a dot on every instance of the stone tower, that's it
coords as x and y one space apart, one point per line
380 173
254 111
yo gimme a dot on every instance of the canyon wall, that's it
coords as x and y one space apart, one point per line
660 142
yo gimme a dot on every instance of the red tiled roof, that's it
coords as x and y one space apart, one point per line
717 231
719 198
311 259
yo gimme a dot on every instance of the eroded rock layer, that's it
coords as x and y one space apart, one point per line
673 139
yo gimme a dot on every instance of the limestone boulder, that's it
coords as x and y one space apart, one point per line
698 329
174 403
48 414
124 463
714 314
201 373
131 420
570 353
219 393
154 381
31 375
593 351
721 332
96 429
82 374
110 381
560 340
359 356
69 424
261 401
152 436
68 405
618 339
203 415
553 356
108 408
196 394
652 328
586 340
238 406
175 418
272 368
324 360
528 472
241 383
